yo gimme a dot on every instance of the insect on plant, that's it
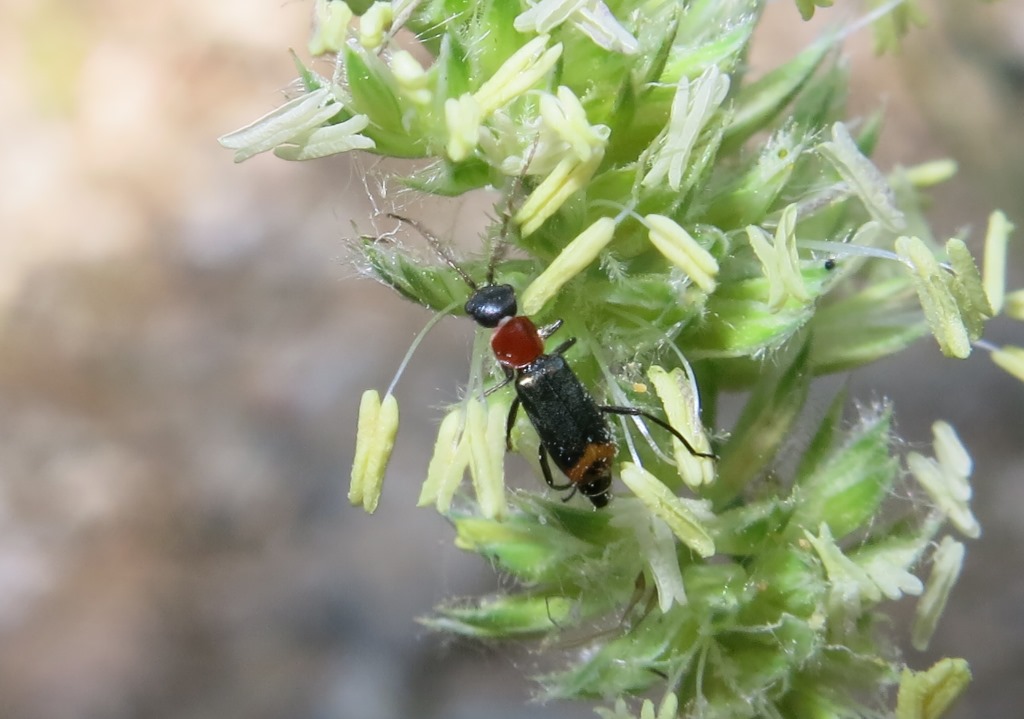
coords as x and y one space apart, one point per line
570 424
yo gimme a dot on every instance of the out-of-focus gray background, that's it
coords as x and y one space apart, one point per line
184 344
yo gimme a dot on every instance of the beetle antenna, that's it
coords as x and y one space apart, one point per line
442 250
501 244
416 343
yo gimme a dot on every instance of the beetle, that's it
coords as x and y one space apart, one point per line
570 424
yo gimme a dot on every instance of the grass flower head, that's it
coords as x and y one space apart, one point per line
707 233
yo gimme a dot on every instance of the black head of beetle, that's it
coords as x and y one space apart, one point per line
490 304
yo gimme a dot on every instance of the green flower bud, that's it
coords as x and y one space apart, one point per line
888 563
678 396
449 463
373 92
780 261
565 117
966 286
1013 304
373 25
847 487
676 512
692 109
946 564
328 140
1010 359
940 307
946 479
431 286
565 180
524 69
658 547
679 248
751 196
412 79
593 19
572 260
534 553
862 177
849 586
375 438
928 694
505 616
330 23
293 119
999 229
485 429
463 116
931 173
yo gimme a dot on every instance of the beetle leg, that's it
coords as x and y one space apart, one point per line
635 412
548 330
562 348
545 468
509 376
510 423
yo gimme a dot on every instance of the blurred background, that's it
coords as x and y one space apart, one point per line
184 343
